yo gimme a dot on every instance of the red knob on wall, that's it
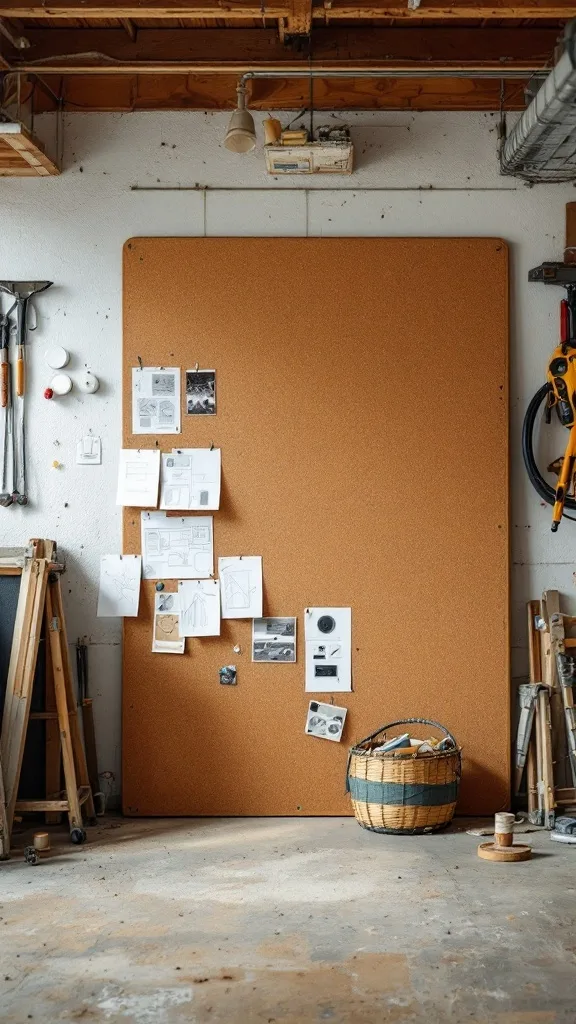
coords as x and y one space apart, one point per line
48 393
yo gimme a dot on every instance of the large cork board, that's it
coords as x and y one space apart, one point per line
362 416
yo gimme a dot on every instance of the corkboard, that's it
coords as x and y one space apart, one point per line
362 415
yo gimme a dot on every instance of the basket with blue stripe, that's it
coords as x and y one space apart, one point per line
404 792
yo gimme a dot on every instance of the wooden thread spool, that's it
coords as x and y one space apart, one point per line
503 848
503 829
41 842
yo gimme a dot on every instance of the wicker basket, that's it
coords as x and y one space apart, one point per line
403 794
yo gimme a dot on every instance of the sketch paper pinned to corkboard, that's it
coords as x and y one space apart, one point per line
362 417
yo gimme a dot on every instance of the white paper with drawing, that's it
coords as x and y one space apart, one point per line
191 479
328 645
119 592
167 638
176 547
241 587
138 475
156 400
199 607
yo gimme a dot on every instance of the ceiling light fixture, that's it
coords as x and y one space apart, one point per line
241 134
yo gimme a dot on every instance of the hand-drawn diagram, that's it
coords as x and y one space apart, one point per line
199 607
167 637
156 400
138 474
201 392
241 587
328 636
274 640
119 592
177 547
191 479
89 451
326 721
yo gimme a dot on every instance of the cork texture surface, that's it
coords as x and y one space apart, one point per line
362 413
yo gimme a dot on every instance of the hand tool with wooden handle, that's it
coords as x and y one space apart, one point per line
22 292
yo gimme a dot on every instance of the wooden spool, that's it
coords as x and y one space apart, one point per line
41 841
503 849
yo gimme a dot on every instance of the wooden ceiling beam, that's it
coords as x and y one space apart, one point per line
110 51
124 93
296 12
299 20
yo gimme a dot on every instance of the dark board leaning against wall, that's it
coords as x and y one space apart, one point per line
33 765
362 415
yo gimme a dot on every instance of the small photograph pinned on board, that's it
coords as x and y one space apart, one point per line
325 721
201 392
274 640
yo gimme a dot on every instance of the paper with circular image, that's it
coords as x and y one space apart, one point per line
328 644
325 721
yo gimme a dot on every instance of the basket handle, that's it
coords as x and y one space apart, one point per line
408 721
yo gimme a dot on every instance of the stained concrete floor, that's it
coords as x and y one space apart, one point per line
285 920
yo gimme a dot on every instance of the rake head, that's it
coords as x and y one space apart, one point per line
23 289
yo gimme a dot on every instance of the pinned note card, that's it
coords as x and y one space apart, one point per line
138 475
119 592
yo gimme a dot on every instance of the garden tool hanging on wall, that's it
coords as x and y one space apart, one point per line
22 292
559 392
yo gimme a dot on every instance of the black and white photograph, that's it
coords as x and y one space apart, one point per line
201 392
274 640
325 721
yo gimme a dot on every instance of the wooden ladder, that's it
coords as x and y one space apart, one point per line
40 600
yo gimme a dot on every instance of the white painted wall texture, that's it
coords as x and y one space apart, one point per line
422 174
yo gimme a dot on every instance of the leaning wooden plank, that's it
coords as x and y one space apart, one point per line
547 777
76 736
54 630
14 739
535 814
550 611
4 830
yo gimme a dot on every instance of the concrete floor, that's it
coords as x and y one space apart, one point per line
285 920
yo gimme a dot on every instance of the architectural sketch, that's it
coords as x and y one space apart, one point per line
191 479
176 547
274 640
156 400
89 451
199 607
241 586
201 392
138 475
328 645
167 638
119 592
326 721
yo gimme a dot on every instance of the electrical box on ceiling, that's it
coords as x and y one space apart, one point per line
313 158
332 153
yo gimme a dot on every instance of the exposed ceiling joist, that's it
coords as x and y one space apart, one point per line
296 12
238 50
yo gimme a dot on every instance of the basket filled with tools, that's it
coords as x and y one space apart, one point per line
405 785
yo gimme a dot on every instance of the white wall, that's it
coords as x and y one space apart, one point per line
430 174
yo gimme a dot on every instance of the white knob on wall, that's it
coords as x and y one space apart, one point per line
88 382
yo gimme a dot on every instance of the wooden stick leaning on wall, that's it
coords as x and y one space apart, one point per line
535 676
